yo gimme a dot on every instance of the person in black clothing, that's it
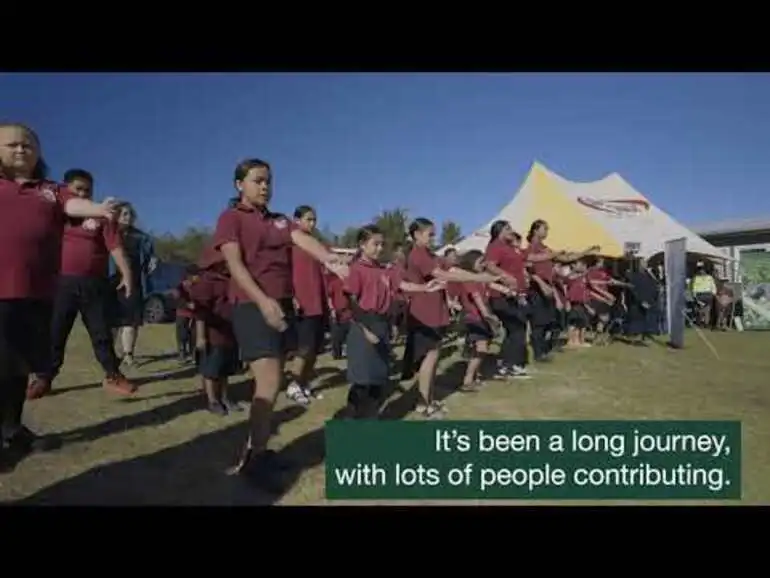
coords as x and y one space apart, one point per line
642 302
128 314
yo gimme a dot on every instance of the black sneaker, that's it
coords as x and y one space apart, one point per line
7 465
268 472
216 408
232 406
25 442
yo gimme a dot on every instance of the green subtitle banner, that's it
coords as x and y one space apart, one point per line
533 460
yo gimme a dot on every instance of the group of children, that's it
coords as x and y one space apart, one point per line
416 295
265 291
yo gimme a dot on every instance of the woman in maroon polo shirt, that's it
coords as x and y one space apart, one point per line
310 305
257 244
371 289
428 312
505 257
543 299
32 216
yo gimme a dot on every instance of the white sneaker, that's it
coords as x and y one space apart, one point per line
295 393
518 372
310 394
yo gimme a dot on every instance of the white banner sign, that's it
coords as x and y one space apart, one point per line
676 279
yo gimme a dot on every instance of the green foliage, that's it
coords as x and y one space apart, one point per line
184 248
450 233
187 247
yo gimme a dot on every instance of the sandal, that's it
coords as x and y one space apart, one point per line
430 411
473 387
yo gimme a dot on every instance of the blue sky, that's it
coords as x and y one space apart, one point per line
446 146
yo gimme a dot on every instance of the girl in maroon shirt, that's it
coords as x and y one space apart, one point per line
310 306
33 212
580 312
543 297
215 341
479 320
505 257
398 312
428 312
601 300
185 316
371 289
256 245
339 311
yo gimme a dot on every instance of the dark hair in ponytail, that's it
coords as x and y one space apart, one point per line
419 224
533 229
497 228
469 259
242 171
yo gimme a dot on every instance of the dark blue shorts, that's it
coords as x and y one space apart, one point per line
219 362
256 339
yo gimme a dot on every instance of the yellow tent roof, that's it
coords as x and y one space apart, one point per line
608 212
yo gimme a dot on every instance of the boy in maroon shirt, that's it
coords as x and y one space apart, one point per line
83 288
33 212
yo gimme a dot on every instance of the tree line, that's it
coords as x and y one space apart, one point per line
186 247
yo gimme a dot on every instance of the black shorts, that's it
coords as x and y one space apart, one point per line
601 308
25 337
310 333
219 361
577 316
127 311
256 339
424 339
477 330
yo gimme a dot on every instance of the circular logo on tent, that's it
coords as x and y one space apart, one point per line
616 207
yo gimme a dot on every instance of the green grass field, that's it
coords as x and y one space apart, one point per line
161 447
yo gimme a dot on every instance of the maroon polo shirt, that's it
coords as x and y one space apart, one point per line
543 269
86 247
577 290
598 277
373 285
265 242
339 299
209 294
32 221
430 309
510 260
308 281
472 311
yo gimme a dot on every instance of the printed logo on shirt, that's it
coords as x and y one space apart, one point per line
48 193
90 224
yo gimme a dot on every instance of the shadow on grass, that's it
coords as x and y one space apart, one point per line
188 474
193 473
152 417
140 381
